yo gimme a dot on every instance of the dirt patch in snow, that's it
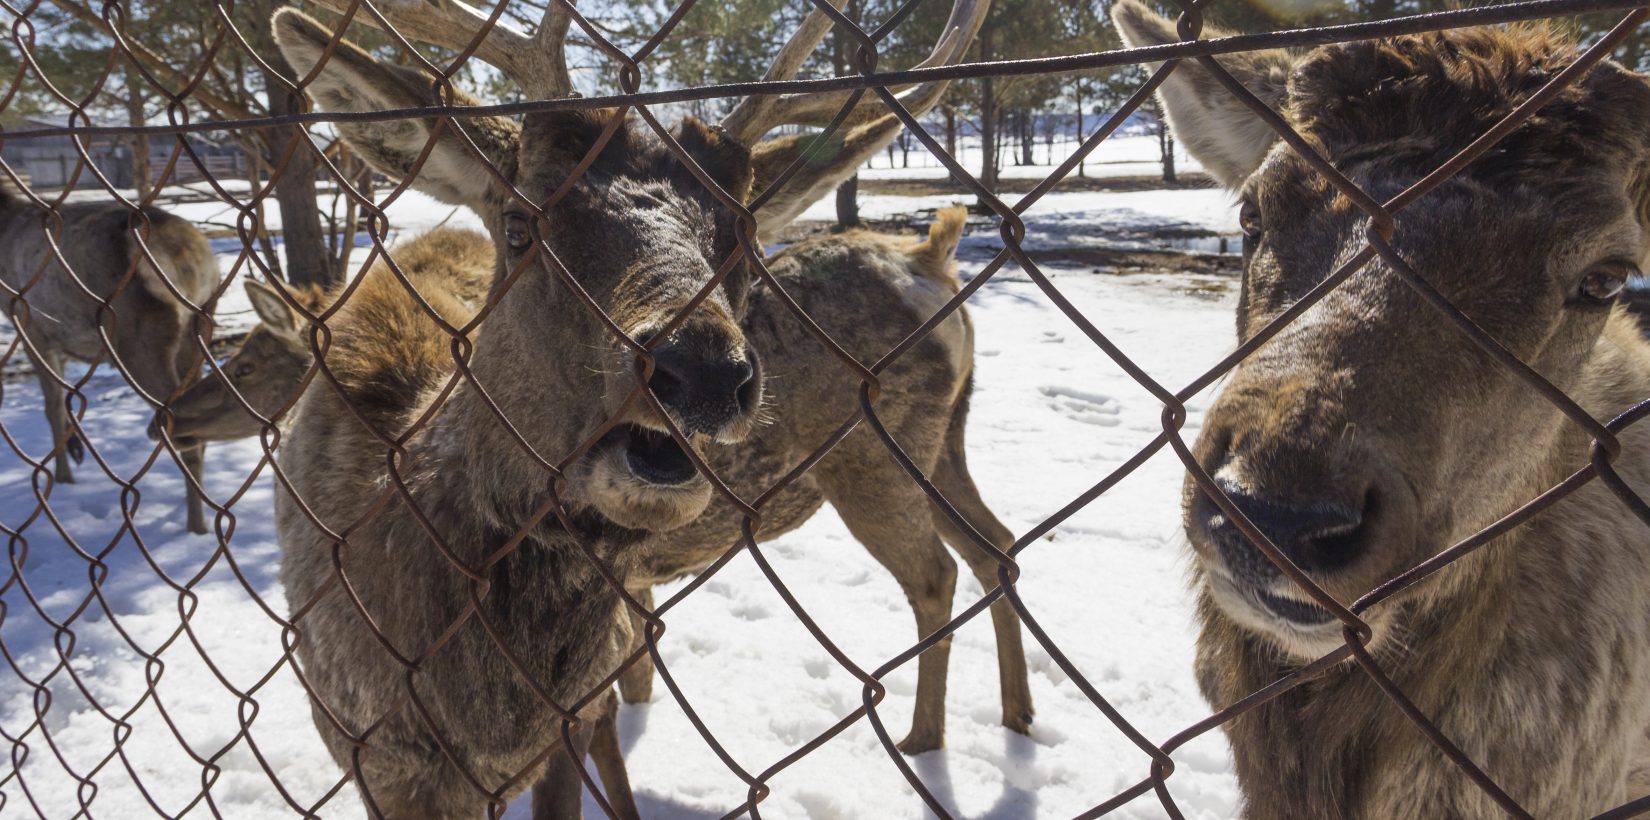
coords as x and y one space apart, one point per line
935 187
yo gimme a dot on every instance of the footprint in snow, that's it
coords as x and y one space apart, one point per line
751 612
817 668
97 508
1082 405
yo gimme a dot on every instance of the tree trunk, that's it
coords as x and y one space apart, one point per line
141 174
847 194
1028 138
999 139
951 131
1165 143
847 204
988 112
1079 94
307 260
252 149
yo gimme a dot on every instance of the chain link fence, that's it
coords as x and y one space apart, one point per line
397 428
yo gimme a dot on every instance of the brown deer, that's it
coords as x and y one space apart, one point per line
1370 433
151 267
257 384
744 380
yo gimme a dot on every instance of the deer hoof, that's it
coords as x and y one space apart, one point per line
1018 723
918 742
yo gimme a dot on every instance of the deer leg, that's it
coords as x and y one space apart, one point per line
194 460
958 487
636 683
890 516
47 369
951 477
559 794
609 760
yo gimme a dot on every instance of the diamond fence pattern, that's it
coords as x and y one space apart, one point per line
407 21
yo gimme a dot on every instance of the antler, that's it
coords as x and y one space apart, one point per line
756 116
865 131
537 62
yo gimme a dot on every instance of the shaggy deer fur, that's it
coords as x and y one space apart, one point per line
149 327
259 383
1370 433
641 235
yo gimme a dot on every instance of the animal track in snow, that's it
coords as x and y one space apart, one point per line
1082 405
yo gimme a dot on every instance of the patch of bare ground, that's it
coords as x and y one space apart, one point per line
1126 261
1127 257
936 187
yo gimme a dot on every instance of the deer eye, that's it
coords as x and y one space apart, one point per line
1249 219
1602 283
244 369
516 234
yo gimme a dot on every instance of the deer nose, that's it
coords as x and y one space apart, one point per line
1319 535
707 391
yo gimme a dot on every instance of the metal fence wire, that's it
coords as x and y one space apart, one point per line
514 533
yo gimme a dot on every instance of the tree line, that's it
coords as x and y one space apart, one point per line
171 47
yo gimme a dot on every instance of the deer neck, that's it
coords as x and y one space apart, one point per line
528 368
1333 746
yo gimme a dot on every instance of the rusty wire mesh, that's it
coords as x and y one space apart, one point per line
36 737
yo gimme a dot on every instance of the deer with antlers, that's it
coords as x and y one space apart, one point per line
451 619
107 282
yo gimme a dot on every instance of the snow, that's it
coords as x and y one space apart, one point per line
1051 416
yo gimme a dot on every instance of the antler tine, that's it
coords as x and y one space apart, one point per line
866 129
819 109
550 48
752 117
536 63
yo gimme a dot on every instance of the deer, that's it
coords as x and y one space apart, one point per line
738 380
156 273
1370 433
254 387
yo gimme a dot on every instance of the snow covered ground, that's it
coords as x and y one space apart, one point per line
1051 416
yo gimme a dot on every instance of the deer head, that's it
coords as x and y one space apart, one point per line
1370 433
265 372
588 209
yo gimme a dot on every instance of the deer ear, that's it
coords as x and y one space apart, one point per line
722 157
1216 128
350 80
272 310
1622 97
561 139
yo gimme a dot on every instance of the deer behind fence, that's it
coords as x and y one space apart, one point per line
1371 432
473 563
101 282
257 385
